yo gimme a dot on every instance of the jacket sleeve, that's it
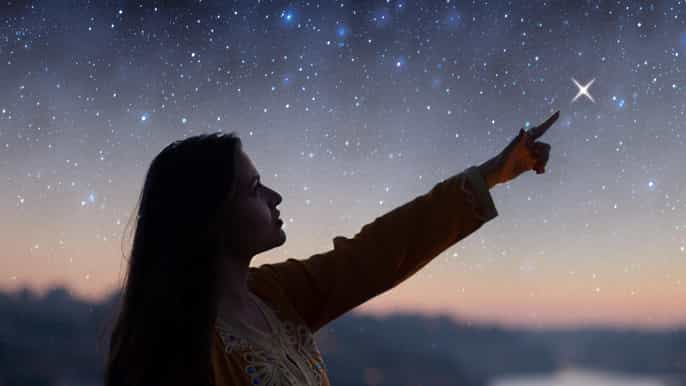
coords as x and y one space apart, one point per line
385 252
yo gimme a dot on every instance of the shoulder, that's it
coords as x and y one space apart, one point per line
264 283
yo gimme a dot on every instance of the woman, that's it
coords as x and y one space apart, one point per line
193 312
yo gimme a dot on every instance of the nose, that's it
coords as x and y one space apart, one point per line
277 197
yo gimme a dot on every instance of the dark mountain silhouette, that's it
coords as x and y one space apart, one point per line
57 339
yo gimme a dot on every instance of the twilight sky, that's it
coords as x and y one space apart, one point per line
349 109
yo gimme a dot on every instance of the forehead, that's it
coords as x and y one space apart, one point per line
245 168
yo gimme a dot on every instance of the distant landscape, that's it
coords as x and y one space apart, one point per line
53 340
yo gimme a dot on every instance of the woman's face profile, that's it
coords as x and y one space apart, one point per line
252 222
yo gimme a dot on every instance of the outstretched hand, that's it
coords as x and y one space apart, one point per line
523 153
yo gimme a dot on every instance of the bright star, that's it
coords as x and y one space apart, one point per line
288 17
341 31
583 90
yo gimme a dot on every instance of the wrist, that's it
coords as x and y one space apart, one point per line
489 172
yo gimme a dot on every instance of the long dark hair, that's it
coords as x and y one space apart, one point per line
168 304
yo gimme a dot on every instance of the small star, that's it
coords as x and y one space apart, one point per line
583 90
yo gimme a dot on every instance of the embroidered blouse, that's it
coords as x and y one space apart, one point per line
300 296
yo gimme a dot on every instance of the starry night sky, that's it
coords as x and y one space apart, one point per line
349 109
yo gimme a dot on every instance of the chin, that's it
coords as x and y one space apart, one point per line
275 243
279 237
282 237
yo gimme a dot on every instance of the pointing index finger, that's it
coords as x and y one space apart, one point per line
537 131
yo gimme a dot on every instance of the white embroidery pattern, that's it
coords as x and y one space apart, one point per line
305 344
300 338
232 342
290 358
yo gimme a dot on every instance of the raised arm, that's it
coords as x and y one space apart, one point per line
394 246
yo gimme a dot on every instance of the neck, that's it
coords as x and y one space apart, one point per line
234 294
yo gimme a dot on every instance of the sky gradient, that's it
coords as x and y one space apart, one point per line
349 109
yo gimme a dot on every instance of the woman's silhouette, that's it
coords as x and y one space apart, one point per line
192 310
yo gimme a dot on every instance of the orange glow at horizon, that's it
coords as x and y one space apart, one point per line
488 296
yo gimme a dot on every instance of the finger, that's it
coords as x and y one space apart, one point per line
541 152
543 156
540 147
524 137
537 131
520 138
